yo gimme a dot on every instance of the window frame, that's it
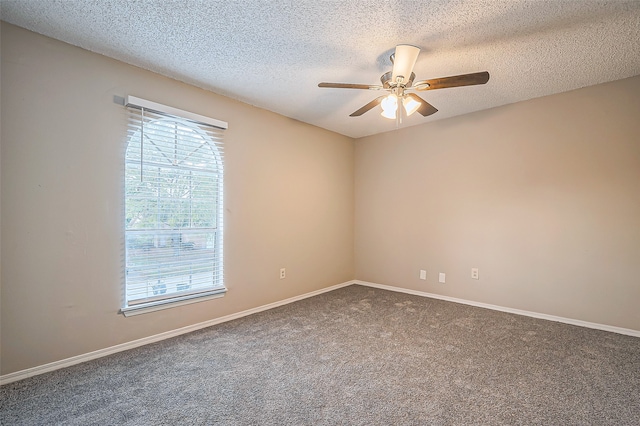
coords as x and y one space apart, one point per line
193 122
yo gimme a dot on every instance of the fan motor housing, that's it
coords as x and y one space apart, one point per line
385 79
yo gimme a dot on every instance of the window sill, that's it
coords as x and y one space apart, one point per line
144 308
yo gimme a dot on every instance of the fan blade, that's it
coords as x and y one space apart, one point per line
374 103
403 62
426 108
453 81
350 86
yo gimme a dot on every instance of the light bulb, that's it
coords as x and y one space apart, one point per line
410 105
389 106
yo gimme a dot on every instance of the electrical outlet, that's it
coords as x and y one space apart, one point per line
474 273
441 277
283 273
423 274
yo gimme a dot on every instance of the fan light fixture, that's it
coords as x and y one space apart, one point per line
390 106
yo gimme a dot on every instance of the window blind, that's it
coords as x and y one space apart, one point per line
173 205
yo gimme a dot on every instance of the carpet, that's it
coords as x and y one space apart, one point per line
353 356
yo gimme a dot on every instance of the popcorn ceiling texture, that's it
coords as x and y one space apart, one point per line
273 54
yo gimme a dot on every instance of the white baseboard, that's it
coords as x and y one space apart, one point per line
604 327
56 365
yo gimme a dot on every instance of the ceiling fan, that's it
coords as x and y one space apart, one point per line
399 82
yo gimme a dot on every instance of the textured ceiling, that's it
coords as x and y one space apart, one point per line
272 54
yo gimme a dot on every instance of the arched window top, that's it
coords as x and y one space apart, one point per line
169 141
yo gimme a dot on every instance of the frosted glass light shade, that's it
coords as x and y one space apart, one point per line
410 105
389 106
389 114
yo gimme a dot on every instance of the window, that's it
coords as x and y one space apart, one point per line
173 189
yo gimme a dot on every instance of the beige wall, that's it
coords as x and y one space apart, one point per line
288 201
542 196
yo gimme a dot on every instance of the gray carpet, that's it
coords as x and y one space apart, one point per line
354 356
